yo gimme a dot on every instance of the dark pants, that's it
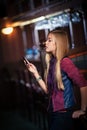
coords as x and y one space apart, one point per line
61 121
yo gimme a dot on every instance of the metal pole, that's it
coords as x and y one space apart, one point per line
24 38
85 27
71 32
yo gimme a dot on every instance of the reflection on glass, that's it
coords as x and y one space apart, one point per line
58 20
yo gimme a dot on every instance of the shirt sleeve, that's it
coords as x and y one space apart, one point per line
73 72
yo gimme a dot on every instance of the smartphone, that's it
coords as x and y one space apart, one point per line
25 60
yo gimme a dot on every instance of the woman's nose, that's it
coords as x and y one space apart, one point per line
44 44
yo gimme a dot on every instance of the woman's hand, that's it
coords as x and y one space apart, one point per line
78 113
31 67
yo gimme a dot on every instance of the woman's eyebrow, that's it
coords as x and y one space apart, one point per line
49 38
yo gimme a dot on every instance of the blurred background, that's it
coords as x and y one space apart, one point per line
24 25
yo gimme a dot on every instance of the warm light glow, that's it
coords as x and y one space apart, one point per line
27 22
7 30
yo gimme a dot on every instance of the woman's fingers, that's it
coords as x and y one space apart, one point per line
77 114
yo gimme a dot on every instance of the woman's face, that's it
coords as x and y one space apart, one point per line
50 45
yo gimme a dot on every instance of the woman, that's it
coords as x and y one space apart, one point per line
60 76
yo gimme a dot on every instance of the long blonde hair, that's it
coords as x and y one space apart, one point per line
62 48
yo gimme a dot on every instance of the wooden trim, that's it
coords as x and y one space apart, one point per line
78 54
83 70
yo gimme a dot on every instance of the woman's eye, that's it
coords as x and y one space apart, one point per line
49 40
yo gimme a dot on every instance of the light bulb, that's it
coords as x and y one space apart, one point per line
7 30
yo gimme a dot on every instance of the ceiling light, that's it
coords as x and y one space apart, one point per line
7 30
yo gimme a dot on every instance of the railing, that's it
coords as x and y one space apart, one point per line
32 100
